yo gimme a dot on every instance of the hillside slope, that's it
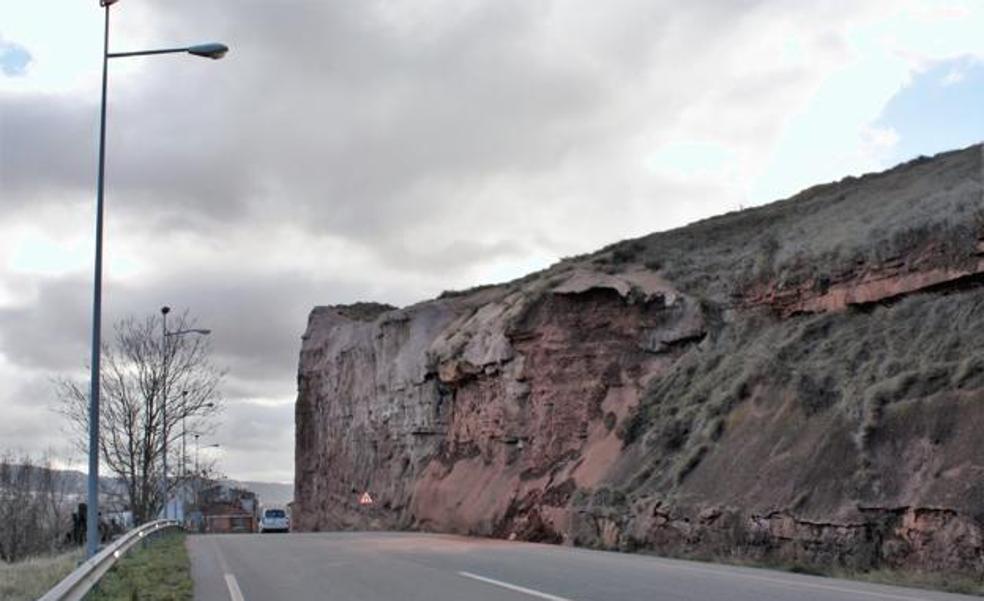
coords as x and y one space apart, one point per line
802 381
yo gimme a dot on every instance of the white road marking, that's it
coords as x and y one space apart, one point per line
513 587
234 592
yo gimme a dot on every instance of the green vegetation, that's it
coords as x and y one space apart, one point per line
966 584
364 311
809 415
860 364
29 579
161 571
821 232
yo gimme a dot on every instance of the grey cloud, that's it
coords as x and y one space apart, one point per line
345 122
47 144
344 119
257 440
433 142
256 323
52 331
30 420
256 336
257 427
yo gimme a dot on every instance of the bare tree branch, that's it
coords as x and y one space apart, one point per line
143 377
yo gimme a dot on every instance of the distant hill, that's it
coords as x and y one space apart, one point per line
73 482
270 493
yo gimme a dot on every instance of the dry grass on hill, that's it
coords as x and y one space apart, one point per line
31 578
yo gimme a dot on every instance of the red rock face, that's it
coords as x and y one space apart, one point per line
580 363
865 284
450 444
620 401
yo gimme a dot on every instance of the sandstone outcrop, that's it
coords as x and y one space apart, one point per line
800 382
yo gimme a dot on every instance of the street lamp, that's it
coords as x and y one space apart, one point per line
184 430
198 474
165 335
92 511
213 51
197 448
184 455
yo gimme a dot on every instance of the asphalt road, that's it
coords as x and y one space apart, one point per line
363 566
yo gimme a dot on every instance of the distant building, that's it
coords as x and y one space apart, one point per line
224 508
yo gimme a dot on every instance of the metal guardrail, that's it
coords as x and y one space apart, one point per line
75 586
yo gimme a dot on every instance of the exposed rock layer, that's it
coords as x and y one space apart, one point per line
803 382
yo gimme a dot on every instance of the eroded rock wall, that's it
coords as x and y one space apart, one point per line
423 405
746 386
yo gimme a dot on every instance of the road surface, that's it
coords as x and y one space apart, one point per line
363 566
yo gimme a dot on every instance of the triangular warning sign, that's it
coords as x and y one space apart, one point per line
365 499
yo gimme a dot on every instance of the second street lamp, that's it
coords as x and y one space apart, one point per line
166 355
214 51
184 456
184 429
198 474
197 449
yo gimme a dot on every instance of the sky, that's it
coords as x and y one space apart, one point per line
389 151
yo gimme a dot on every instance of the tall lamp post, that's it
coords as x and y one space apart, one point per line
198 474
214 51
165 335
184 456
184 431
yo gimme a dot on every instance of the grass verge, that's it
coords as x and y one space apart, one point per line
965 584
31 578
961 583
951 583
160 571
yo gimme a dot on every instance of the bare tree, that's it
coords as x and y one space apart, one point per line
33 508
147 380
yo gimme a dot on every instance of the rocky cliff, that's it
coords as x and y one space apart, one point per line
802 381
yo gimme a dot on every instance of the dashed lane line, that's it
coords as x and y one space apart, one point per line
513 587
234 592
771 580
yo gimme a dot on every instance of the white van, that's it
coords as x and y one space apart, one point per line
274 520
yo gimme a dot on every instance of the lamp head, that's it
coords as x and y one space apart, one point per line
211 50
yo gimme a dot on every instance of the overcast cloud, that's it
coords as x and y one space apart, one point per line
389 151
